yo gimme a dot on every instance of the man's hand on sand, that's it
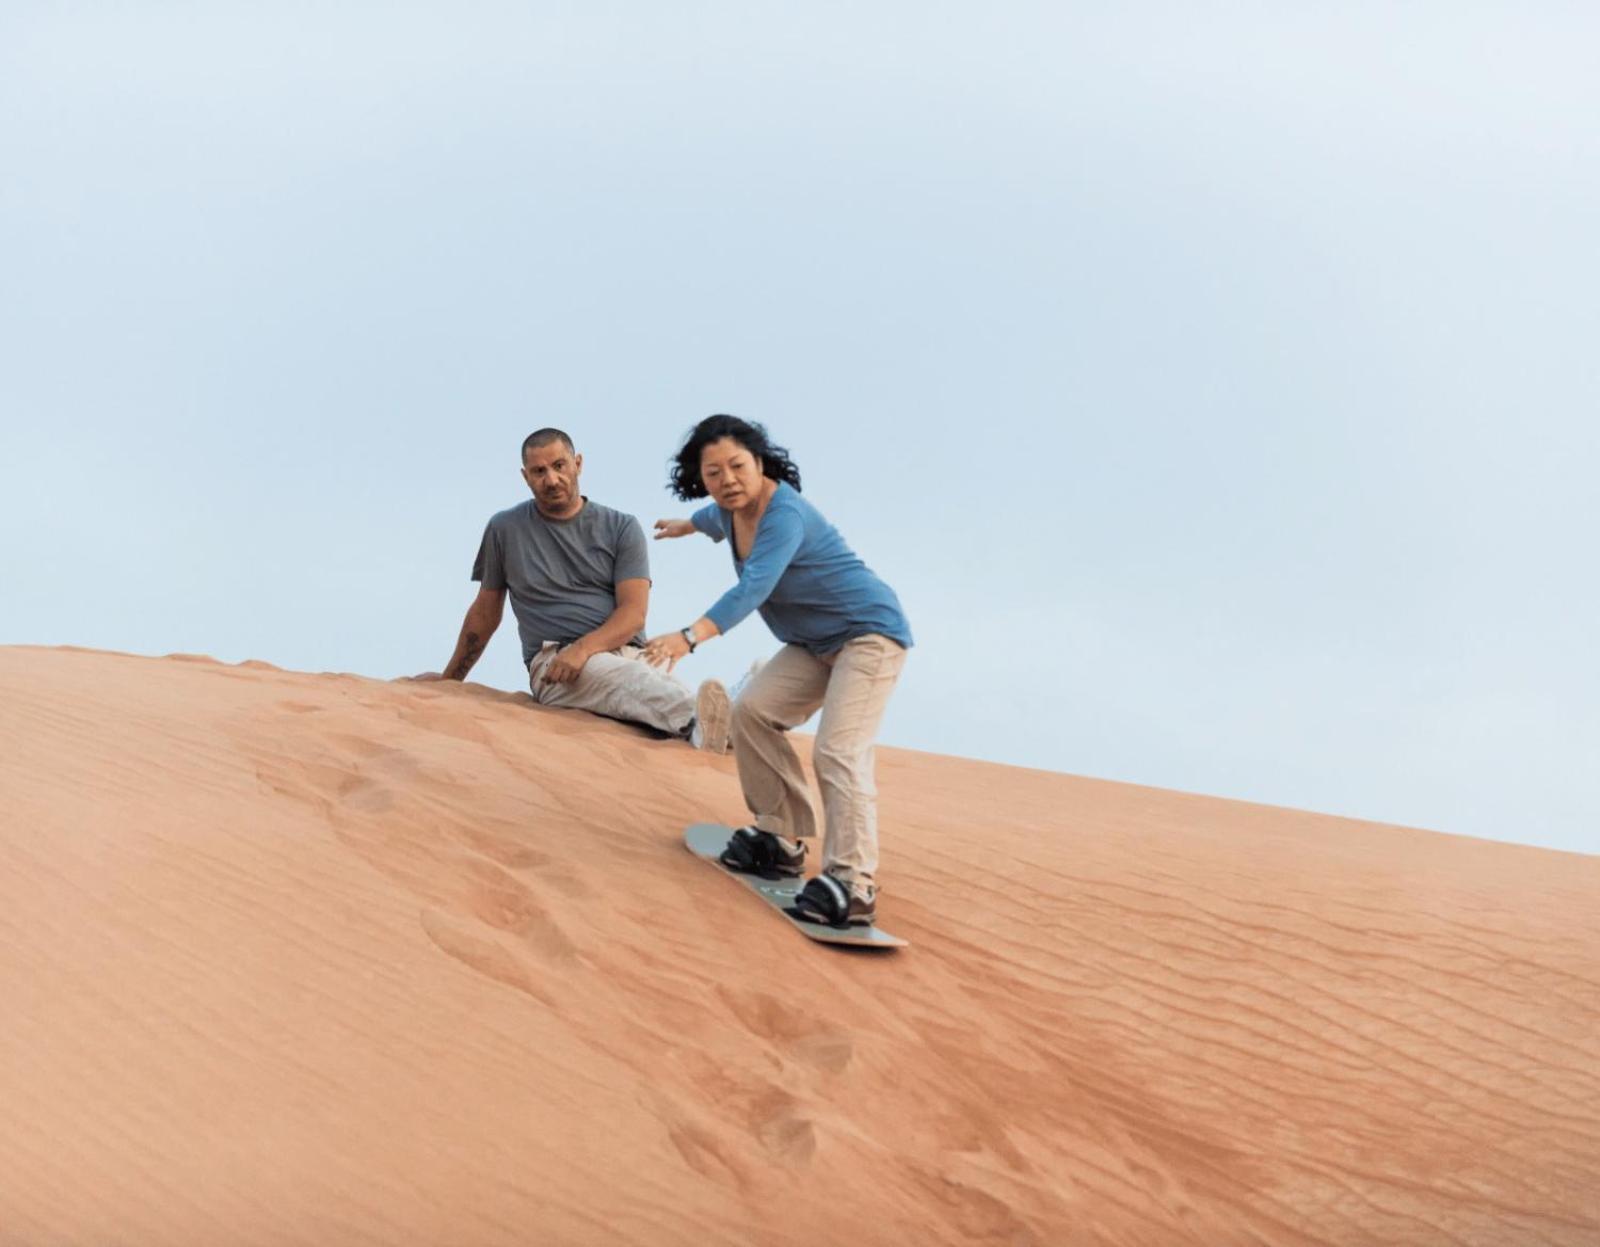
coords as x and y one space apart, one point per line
425 676
673 528
566 666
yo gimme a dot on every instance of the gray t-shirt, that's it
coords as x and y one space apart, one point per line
562 574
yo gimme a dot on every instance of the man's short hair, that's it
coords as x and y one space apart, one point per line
543 437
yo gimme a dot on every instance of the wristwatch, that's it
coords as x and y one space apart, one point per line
688 635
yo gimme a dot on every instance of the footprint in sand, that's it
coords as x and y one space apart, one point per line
499 899
772 1116
976 1215
507 852
364 795
703 1152
483 955
828 1050
813 1043
361 780
781 1127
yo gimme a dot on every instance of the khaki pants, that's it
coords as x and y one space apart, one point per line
852 688
618 684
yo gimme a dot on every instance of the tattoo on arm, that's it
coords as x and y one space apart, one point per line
471 647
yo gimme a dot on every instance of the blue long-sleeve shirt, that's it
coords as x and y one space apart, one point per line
810 587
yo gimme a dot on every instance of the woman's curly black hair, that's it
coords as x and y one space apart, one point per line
685 480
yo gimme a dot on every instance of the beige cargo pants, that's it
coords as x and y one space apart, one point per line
852 688
618 684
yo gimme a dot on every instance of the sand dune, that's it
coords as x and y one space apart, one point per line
315 959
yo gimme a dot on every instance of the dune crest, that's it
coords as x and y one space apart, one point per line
293 958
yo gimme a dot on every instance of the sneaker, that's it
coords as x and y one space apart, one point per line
752 852
835 903
708 729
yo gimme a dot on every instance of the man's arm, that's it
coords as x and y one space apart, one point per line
483 617
624 623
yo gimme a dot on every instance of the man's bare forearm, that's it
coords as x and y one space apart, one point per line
623 625
475 633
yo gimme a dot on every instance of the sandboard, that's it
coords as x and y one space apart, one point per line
707 840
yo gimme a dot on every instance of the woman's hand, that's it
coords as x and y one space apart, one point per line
674 528
666 649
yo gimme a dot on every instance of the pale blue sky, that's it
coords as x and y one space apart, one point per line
1217 385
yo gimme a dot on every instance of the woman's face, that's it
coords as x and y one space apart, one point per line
732 475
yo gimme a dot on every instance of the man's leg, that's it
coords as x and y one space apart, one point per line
863 676
782 694
619 685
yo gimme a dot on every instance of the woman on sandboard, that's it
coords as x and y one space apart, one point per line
845 641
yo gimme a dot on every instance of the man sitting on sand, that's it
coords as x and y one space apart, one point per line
579 578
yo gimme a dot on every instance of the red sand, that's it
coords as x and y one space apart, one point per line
317 959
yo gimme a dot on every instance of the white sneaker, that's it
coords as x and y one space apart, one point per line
712 717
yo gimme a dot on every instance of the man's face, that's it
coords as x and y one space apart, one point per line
552 473
730 473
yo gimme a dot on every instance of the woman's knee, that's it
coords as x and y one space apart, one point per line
842 766
747 718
